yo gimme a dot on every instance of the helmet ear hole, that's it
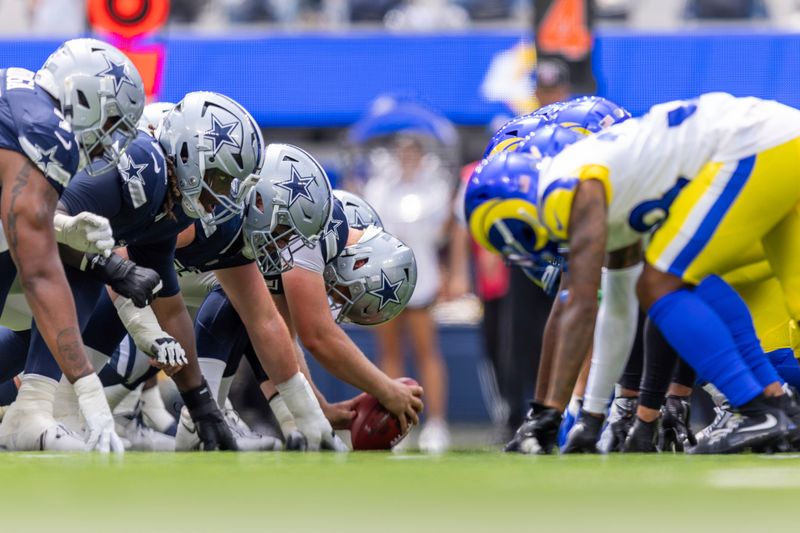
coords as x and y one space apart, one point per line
184 153
360 263
82 100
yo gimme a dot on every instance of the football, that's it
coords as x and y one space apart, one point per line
375 428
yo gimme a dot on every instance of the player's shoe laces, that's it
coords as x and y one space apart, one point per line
641 438
583 436
674 434
761 426
434 437
724 415
247 439
137 436
538 433
620 420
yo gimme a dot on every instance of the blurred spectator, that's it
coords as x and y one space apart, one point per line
423 15
186 11
552 81
411 191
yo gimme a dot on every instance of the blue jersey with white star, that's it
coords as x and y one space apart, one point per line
131 196
31 123
213 249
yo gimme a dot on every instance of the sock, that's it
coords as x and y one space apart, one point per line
282 415
128 403
730 307
702 339
659 362
36 392
212 369
717 397
787 366
115 394
224 390
614 335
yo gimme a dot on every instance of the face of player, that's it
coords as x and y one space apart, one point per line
219 183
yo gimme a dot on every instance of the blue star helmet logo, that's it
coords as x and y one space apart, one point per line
222 134
297 186
333 227
118 73
387 291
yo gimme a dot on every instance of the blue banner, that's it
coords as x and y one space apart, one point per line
328 79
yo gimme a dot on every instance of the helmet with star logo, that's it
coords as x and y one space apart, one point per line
100 94
152 115
371 281
289 207
212 141
358 212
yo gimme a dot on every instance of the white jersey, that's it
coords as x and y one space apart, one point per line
645 158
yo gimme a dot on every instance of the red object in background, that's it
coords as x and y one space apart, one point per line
375 428
491 272
128 18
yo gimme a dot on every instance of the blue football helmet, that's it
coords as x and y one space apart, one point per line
501 209
512 132
589 114
548 140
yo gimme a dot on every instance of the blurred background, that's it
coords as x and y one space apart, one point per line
397 99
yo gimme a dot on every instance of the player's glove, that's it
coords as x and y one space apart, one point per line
85 232
146 332
304 407
214 433
99 421
138 283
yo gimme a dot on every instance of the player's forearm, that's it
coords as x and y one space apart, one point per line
274 348
337 353
548 352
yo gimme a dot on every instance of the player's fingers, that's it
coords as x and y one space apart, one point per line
416 390
413 417
116 444
103 443
416 403
403 423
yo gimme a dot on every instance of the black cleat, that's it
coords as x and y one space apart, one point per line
582 438
538 433
642 437
212 429
620 421
761 427
674 434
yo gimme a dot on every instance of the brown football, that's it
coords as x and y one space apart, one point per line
375 428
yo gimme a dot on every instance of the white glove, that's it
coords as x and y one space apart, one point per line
99 422
304 407
85 232
146 332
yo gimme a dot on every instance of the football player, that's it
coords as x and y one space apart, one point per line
83 103
697 176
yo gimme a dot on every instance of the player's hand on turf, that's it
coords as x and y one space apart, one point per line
128 279
85 232
404 402
340 414
167 353
99 421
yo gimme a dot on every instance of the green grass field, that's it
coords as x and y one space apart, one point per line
470 491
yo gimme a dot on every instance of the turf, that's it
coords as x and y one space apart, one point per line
477 491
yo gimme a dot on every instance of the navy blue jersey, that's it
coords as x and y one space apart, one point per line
131 196
32 124
213 249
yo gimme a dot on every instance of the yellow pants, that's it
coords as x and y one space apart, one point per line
720 219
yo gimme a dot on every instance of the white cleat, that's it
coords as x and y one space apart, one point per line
247 439
186 438
139 438
154 413
434 437
28 424
724 417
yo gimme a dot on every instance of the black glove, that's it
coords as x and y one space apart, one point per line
538 433
138 283
211 427
583 436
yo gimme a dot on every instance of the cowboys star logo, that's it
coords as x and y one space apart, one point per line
297 186
222 134
387 291
118 73
131 175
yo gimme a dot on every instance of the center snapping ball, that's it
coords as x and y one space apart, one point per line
375 428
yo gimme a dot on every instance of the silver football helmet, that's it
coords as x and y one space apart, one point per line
152 115
371 281
101 95
289 207
358 212
212 141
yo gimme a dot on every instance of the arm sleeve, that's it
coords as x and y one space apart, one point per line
310 259
100 195
160 256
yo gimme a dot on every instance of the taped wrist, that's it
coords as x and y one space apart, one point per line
298 396
200 402
282 414
140 322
